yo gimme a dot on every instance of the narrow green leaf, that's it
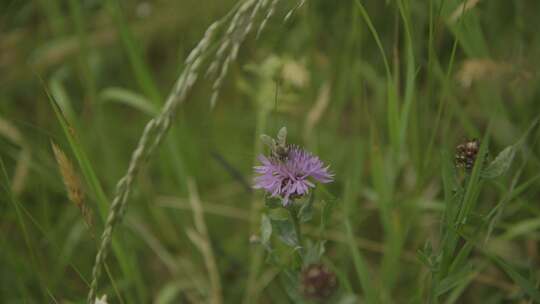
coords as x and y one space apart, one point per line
522 228
453 280
360 266
328 204
59 92
134 53
460 259
458 290
527 286
378 42
84 163
129 98
425 255
290 281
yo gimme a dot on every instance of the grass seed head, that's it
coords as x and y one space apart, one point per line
72 183
466 154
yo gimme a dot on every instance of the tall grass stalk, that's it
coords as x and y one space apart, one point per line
459 207
86 74
201 239
22 224
156 129
148 86
152 135
256 252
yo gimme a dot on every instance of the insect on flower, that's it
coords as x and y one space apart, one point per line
278 147
289 171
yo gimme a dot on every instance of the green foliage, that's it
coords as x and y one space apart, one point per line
382 91
272 202
285 231
266 229
525 284
128 98
305 214
501 163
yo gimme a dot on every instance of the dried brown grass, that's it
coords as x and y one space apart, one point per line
72 183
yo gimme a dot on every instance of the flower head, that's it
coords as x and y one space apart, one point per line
292 176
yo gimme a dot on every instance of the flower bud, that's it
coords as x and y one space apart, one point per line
317 282
466 154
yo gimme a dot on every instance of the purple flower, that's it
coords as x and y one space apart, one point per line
292 177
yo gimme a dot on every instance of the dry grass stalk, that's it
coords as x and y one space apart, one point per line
73 183
10 131
22 167
152 136
267 17
21 171
161 252
240 26
102 300
218 209
294 9
201 239
462 9
192 282
57 52
316 112
473 70
295 73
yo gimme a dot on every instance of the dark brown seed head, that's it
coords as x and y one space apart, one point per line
317 282
466 154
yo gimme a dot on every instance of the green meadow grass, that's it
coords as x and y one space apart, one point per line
383 91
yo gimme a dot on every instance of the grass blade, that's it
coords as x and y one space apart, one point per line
97 190
527 286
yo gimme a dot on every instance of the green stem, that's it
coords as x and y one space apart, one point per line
256 254
294 214
299 256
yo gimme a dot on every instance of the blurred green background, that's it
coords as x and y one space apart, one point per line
382 115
